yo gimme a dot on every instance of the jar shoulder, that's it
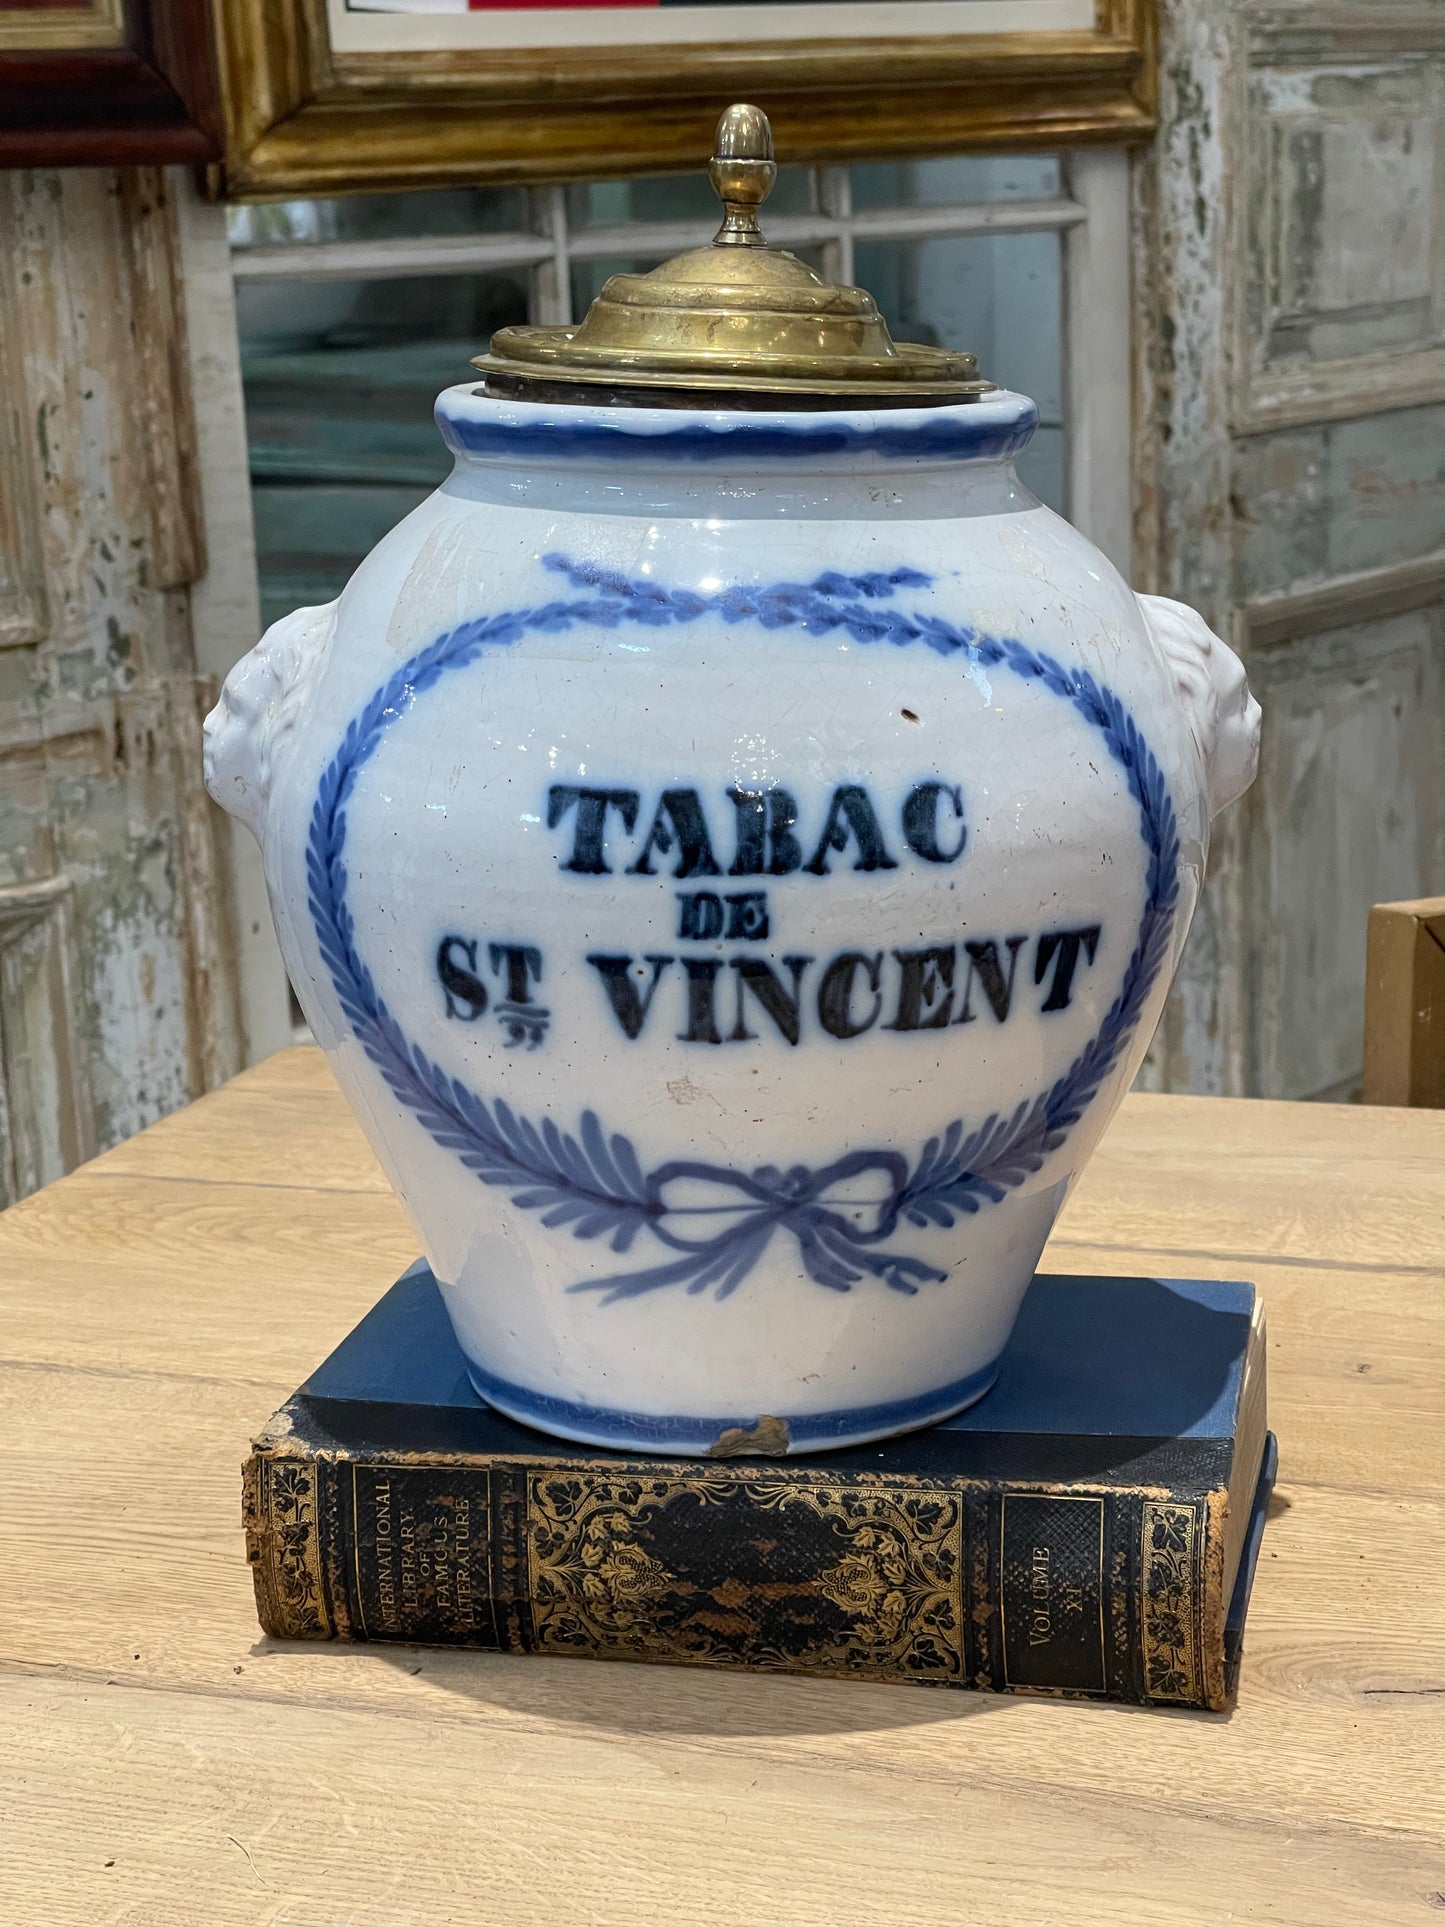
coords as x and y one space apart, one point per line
1023 570
832 603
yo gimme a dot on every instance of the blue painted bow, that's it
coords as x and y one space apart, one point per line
834 1214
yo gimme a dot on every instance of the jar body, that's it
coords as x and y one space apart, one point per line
734 889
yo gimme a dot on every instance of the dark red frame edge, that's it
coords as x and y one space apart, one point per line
153 101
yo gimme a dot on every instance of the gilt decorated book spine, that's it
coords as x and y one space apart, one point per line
1114 1593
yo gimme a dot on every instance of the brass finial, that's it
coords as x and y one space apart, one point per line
742 172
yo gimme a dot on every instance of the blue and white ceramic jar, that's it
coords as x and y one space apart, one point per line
734 858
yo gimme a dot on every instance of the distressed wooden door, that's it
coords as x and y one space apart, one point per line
118 991
1290 474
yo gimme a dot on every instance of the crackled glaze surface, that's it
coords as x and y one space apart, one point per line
735 864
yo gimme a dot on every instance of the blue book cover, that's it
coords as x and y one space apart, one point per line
1089 1528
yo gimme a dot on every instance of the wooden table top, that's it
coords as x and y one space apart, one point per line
162 1763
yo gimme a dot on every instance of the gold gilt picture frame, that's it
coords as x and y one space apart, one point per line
331 96
30 26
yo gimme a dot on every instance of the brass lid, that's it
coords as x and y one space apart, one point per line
737 324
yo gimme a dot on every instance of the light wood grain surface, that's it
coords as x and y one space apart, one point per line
163 1765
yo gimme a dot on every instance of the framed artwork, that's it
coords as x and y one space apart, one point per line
323 96
96 83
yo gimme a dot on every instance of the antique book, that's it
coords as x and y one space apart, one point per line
1088 1529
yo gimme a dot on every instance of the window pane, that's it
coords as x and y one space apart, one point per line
682 197
340 377
379 217
963 180
1001 296
309 538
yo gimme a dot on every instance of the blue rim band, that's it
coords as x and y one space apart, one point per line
654 1432
979 431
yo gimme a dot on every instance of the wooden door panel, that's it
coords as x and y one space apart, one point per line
47 1123
1340 268
1346 813
117 993
1331 499
1290 463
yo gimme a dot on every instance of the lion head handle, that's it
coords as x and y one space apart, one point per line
1223 716
264 697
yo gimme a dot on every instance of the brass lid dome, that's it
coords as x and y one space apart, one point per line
734 325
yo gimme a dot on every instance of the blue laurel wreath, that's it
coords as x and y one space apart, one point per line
590 1180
